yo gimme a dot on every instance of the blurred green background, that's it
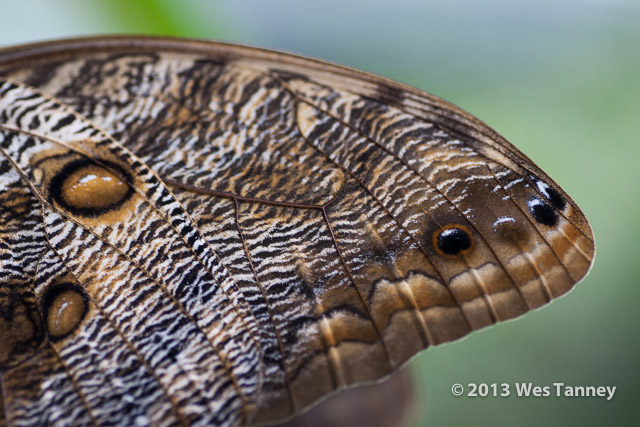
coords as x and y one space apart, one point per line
560 79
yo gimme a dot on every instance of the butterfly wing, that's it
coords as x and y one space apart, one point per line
124 280
346 222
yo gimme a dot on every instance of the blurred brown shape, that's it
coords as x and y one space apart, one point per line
385 404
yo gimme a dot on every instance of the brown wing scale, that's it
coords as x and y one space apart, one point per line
207 233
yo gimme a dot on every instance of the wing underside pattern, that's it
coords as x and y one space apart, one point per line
279 235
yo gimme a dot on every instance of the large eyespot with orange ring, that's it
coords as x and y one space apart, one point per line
91 189
452 240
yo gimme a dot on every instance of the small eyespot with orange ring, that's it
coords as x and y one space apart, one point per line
452 240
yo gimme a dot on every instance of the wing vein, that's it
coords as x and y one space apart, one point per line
264 295
396 220
141 194
133 262
479 286
74 383
175 407
353 283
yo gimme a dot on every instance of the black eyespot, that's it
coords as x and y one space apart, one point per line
452 240
555 198
542 212
550 193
